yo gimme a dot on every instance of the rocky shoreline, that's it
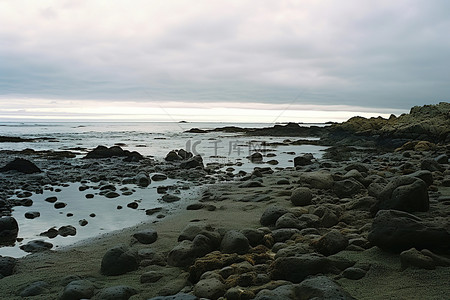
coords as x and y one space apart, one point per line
361 223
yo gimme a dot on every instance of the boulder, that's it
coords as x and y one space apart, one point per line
425 175
211 288
173 156
115 151
301 196
142 179
303 160
67 230
21 165
321 287
119 260
179 296
119 292
36 246
234 242
318 179
297 268
331 243
192 163
78 289
348 188
34 289
431 165
9 228
159 177
271 215
397 231
182 255
404 193
7 266
256 157
146 237
32 214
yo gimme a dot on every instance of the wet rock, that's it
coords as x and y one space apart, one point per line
23 202
7 266
303 160
296 269
36 246
321 287
35 289
146 237
271 215
442 159
234 242
52 199
192 163
32 214
59 205
115 151
182 255
318 179
119 292
51 233
354 273
288 220
331 243
133 205
348 188
83 222
78 289
211 288
21 165
398 231
283 234
67 230
142 179
119 260
404 193
173 156
169 198
301 196
159 177
9 228
254 236
112 194
414 258
256 157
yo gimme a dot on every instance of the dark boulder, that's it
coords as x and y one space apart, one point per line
146 237
192 163
234 242
9 228
36 246
331 243
119 260
7 266
297 268
321 287
21 165
271 215
303 160
114 151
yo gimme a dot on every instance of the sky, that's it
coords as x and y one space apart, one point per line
214 60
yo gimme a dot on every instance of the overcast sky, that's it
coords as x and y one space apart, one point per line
357 55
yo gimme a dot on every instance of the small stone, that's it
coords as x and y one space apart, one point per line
133 205
170 198
211 288
414 258
301 196
146 237
83 222
78 289
51 199
354 273
59 205
112 194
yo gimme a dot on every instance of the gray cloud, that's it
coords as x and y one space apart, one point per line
364 53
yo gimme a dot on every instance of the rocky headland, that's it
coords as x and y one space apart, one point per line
368 222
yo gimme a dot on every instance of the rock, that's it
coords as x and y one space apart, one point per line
114 151
32 214
296 269
251 184
425 175
234 242
255 157
283 234
301 196
414 258
9 228
211 288
354 273
36 246
192 163
360 167
133 205
318 179
173 156
159 177
142 179
169 198
404 193
398 231
254 236
284 292
21 165
34 289
51 233
83 222
146 237
78 289
7 266
331 243
151 277
119 260
271 215
303 160
119 292
67 230
348 188
288 220
59 205
438 260
321 287
52 199
442 159
179 296
431 165
182 255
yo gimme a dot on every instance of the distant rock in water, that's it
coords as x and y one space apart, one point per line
196 130
114 151
21 165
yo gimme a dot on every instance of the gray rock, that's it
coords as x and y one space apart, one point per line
288 220
323 288
348 188
283 234
331 243
190 232
78 289
318 179
36 246
296 269
146 237
301 196
404 193
21 165
254 236
415 258
119 260
210 288
442 159
151 277
67 230
425 175
32 214
431 165
284 292
192 163
354 273
173 156
9 228
35 289
398 231
120 292
256 157
303 160
179 296
7 266
142 179
112 194
271 215
59 205
159 177
169 198
234 242
182 255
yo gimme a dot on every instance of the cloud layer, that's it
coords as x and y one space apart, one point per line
389 54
